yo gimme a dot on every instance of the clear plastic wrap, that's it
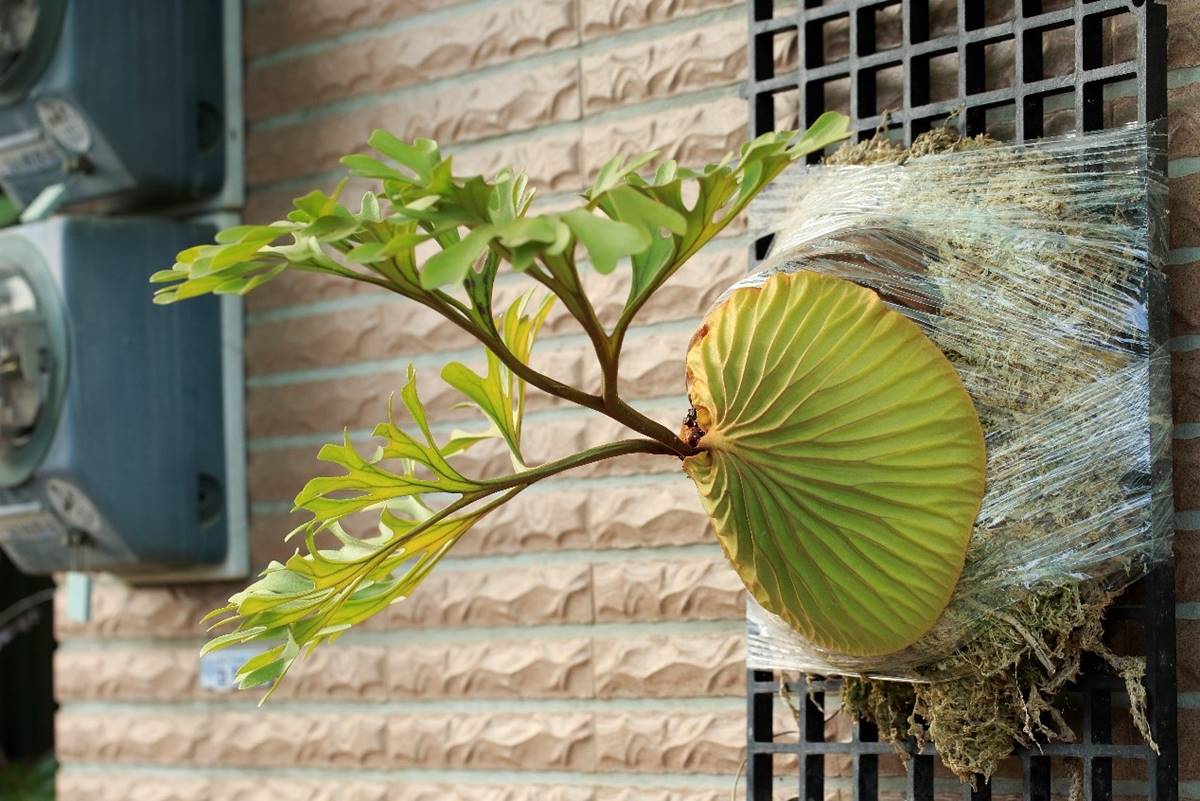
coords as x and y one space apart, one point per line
1038 271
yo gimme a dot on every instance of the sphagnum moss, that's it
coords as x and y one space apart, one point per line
1005 683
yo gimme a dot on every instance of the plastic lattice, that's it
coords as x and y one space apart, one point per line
1019 70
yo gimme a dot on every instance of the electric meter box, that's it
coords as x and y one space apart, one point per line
111 418
114 99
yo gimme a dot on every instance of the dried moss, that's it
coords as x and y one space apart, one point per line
1006 680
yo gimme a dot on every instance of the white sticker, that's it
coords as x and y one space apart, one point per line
65 124
218 670
27 152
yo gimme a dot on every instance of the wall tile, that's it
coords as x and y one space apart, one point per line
275 24
670 666
150 739
540 668
495 742
608 17
678 742
713 55
1183 34
415 55
490 106
674 589
518 596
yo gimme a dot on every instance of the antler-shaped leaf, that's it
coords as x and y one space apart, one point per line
500 394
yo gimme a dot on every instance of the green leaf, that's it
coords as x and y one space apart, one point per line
500 394
607 241
632 206
370 167
830 128
333 227
450 266
841 460
617 169
421 157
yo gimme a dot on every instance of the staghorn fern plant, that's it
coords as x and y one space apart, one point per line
831 443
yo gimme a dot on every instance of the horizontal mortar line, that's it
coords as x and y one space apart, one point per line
1186 430
567 57
460 634
1178 256
1183 167
536 416
648 553
1187 519
382 297
248 701
1187 610
399 363
1184 342
318 46
1178 78
657 105
566 54
485 776
553 484
1189 700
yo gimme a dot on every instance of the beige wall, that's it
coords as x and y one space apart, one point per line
584 644
588 636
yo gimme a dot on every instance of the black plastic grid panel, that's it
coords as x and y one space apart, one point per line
998 66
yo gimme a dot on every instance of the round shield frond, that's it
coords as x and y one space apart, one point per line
842 461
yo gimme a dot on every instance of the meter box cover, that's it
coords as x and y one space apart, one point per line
111 456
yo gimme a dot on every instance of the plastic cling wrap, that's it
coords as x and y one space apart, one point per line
1037 270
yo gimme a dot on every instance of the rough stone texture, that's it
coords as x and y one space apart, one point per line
122 611
1188 673
158 675
693 135
714 55
552 162
492 741
692 589
552 668
1183 120
1189 735
147 739
90 786
1185 385
668 667
70 786
607 17
265 737
1186 455
410 57
488 106
275 24
1185 211
1187 566
1183 34
679 741
515 596
1185 298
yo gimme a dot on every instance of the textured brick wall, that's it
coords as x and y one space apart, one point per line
1183 17
585 643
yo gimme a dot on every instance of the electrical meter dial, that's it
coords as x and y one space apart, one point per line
29 30
33 360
